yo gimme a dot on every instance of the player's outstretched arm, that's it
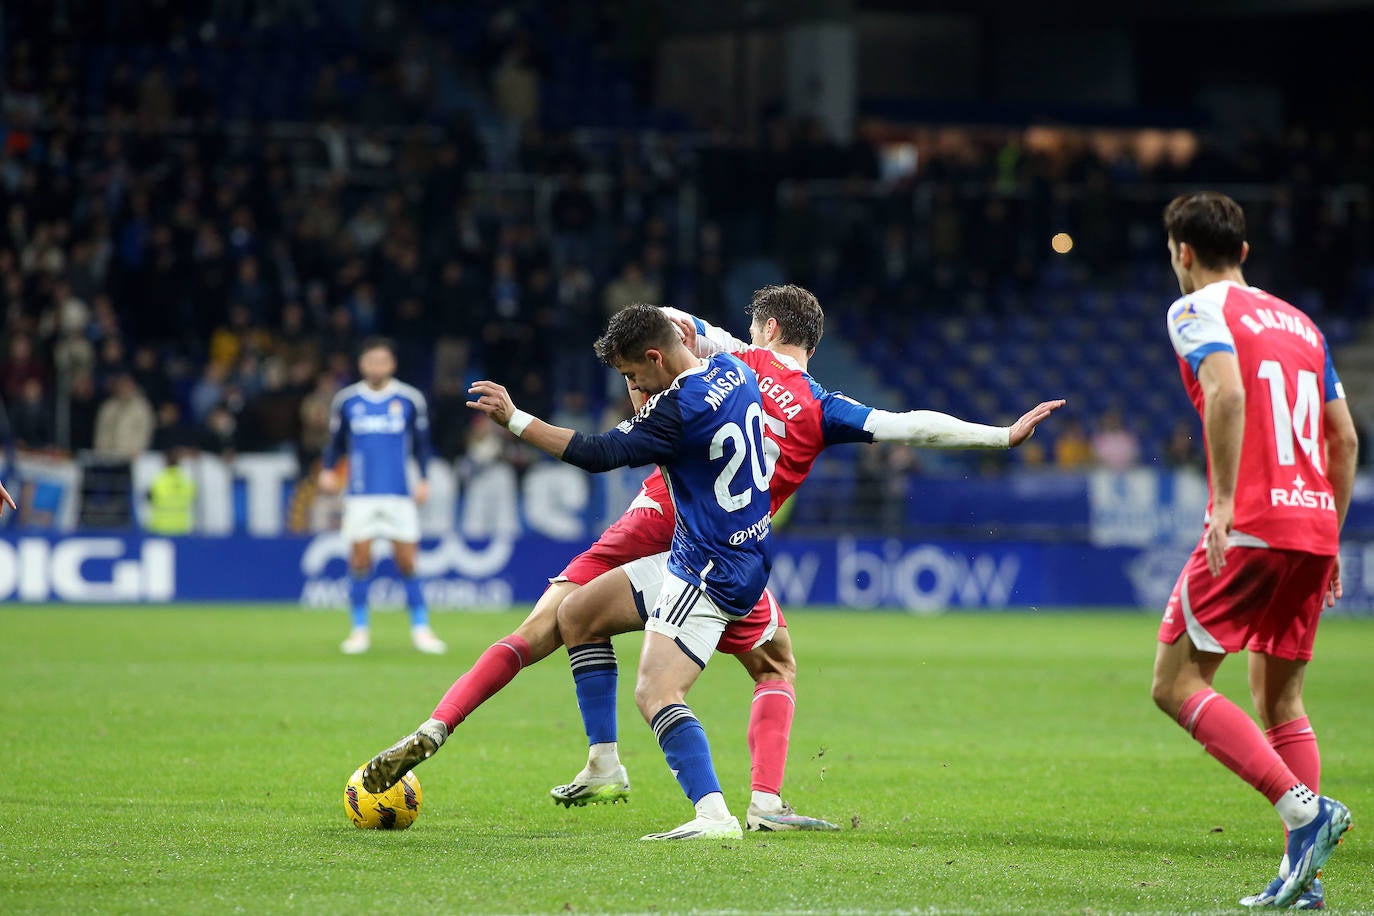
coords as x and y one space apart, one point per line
932 429
7 499
650 438
494 401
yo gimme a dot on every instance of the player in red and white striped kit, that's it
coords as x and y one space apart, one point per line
1281 453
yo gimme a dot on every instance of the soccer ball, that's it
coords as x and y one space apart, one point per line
394 809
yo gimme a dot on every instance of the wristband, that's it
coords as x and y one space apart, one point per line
519 421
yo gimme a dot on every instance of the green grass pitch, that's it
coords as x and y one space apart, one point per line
193 760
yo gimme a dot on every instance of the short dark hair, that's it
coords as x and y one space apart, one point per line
796 311
1211 224
378 343
633 330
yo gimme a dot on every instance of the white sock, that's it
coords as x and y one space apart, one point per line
1297 807
603 759
436 729
766 802
713 806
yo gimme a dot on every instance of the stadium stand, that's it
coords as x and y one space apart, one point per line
217 209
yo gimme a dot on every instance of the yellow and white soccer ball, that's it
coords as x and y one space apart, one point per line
394 809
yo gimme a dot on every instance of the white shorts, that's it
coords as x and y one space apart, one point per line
679 610
371 518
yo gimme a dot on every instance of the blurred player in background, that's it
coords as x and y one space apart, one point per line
1281 451
800 420
384 423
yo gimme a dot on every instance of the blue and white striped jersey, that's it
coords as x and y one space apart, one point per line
381 430
706 433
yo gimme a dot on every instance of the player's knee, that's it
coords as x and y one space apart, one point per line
1165 696
649 700
776 669
570 618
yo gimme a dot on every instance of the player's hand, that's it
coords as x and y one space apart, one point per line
687 330
329 481
493 400
1024 428
421 492
7 500
1333 591
1218 536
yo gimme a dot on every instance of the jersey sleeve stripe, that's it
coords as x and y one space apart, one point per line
1196 357
1334 390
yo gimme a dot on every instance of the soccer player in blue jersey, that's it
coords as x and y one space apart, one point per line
383 422
703 425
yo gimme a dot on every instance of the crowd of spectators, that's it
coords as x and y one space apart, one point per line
170 278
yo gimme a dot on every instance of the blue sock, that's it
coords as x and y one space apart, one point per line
357 598
415 597
689 756
595 675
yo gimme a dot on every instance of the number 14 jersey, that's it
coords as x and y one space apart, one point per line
1283 498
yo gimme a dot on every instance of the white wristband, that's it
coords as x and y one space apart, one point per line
519 421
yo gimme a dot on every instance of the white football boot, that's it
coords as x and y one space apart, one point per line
703 828
423 638
783 817
586 789
359 641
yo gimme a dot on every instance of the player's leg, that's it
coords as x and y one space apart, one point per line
774 670
1183 689
1276 690
674 654
359 579
1280 649
534 640
1219 613
421 636
1279 652
587 619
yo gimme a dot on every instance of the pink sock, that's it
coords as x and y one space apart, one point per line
770 728
1228 734
1296 743
494 670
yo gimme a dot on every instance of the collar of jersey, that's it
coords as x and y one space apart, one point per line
386 391
787 361
699 367
1252 289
